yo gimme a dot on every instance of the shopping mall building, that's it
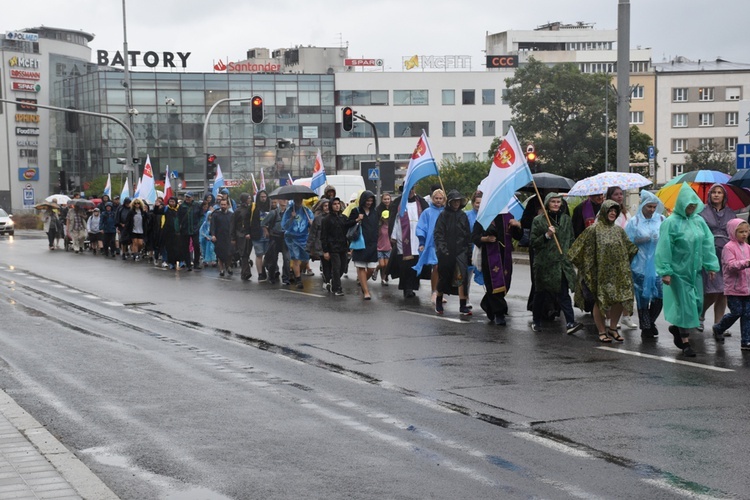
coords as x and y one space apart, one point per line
304 89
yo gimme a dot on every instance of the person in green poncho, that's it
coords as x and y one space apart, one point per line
602 254
685 248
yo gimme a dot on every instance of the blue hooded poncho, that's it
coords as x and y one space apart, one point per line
644 232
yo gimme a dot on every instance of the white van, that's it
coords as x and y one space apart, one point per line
346 185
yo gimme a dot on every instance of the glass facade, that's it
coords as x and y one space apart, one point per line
298 108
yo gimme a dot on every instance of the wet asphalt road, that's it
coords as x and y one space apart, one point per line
184 385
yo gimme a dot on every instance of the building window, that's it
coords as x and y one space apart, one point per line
706 144
450 157
488 128
637 92
470 129
679 145
410 129
680 95
733 93
677 170
363 97
379 98
470 156
636 117
640 66
488 96
733 119
361 129
468 97
731 144
505 96
410 98
679 120
449 129
449 97
706 119
706 94
402 156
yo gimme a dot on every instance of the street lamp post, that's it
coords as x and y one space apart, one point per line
168 101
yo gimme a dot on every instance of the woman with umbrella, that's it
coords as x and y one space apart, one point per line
602 254
685 248
51 222
716 214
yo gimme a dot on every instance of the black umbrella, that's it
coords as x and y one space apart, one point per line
741 178
545 180
291 191
80 202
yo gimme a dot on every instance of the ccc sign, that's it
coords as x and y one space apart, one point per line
502 61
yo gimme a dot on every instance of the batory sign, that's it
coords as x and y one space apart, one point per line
149 59
363 62
502 61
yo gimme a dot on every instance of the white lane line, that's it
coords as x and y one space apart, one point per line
88 296
114 304
304 293
434 316
667 359
549 443
663 484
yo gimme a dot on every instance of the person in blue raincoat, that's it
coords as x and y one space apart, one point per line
207 246
296 224
643 230
685 248
425 229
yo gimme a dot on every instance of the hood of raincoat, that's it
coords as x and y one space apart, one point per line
453 194
646 198
318 209
551 196
606 207
732 226
708 195
687 197
364 197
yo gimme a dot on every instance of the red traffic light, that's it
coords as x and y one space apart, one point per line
347 119
530 157
256 109
211 158
257 101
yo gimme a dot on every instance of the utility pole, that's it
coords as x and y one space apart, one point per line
623 86
379 182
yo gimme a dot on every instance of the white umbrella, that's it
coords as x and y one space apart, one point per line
60 199
599 183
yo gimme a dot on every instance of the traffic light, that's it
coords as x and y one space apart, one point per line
531 158
210 166
63 181
72 124
256 109
347 119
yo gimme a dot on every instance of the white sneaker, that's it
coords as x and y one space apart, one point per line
628 322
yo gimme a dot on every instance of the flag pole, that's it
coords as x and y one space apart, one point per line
546 215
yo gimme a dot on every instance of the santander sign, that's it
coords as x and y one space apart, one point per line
252 67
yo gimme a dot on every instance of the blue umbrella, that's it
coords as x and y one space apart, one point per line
741 178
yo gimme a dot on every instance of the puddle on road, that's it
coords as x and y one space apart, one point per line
196 494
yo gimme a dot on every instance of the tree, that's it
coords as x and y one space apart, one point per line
561 111
711 157
639 143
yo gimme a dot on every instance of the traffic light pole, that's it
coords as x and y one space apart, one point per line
205 135
133 148
379 182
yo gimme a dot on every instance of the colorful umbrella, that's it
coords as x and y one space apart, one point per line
741 178
599 183
737 198
707 176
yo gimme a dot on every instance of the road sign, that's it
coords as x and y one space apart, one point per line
28 196
373 174
651 152
743 156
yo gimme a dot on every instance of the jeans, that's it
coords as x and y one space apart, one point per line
563 297
739 308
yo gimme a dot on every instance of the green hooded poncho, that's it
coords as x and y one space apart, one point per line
686 246
549 264
602 254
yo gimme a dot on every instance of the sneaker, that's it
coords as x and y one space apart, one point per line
701 327
628 322
263 277
339 293
300 285
229 271
536 327
718 336
727 333
375 275
326 286
309 272
571 328
465 311
164 265
745 347
285 282
439 308
688 351
171 267
500 321
676 334
383 283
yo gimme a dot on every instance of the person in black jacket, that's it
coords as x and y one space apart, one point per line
241 235
261 208
404 242
334 244
121 220
190 223
366 259
452 242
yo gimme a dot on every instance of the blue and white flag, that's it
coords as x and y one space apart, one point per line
125 193
318 181
218 181
422 164
108 186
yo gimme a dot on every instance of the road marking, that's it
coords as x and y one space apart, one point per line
304 293
549 443
435 316
114 304
665 485
667 359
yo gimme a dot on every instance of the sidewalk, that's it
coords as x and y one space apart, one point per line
33 464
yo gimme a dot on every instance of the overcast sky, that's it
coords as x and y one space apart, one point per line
386 29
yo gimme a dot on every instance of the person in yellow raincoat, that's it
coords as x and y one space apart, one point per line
685 248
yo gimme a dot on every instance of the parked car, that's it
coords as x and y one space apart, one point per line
6 223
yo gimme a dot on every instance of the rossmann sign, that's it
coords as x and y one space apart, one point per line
150 59
23 74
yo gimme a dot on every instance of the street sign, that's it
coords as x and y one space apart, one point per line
651 152
373 174
28 196
743 156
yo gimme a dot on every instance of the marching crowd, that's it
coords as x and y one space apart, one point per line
681 264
